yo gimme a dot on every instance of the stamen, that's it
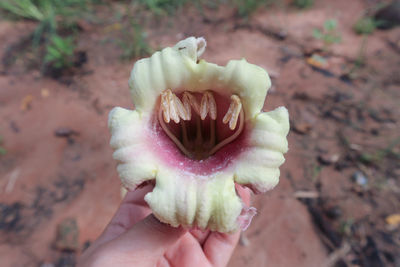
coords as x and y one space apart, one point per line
204 107
212 134
172 136
208 105
186 103
182 112
185 138
190 101
212 105
199 136
232 137
194 144
232 114
165 106
172 107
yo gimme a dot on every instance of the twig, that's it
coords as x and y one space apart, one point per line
12 180
337 255
306 194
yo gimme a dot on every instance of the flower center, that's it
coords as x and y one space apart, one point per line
196 124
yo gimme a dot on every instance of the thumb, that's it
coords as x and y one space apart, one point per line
148 238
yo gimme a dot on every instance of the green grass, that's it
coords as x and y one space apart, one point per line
345 227
53 17
49 13
163 7
60 52
245 8
303 3
329 33
3 151
379 155
134 43
365 25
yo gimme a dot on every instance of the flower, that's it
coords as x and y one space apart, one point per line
196 131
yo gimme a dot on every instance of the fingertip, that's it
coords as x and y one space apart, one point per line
137 196
200 235
219 247
244 193
150 236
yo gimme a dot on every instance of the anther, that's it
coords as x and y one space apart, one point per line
194 143
173 113
208 105
204 107
212 106
189 102
233 112
182 111
165 106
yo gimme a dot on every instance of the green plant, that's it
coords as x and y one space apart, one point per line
365 25
303 3
245 8
3 151
161 7
49 13
345 227
377 156
53 17
60 52
316 170
134 44
329 33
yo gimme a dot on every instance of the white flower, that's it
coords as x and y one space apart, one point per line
197 130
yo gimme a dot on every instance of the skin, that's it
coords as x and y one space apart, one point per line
134 237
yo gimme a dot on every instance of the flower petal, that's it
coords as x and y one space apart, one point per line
206 202
258 167
177 69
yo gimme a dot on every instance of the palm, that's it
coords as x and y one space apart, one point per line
124 248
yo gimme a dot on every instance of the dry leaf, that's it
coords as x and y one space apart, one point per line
26 102
45 92
393 219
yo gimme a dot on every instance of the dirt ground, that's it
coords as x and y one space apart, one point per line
340 181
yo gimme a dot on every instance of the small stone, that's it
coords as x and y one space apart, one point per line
67 235
360 179
327 159
65 132
302 128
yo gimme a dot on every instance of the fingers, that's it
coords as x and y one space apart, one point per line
133 209
142 245
137 196
219 247
244 193
187 252
133 235
200 235
148 239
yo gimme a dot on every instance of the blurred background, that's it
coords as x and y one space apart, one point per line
334 64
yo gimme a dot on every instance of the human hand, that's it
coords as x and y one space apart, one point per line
134 237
